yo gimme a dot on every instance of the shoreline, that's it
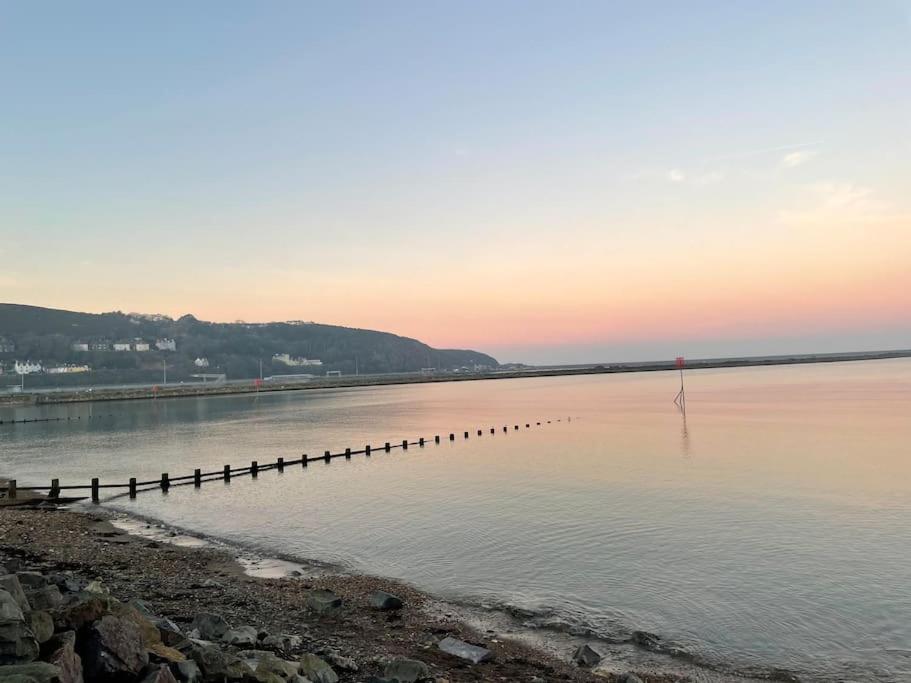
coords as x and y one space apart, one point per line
520 653
136 393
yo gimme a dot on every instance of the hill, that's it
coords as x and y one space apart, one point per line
58 338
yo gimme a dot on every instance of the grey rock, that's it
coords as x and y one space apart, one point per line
41 624
30 580
340 662
210 626
10 611
97 587
241 636
265 662
10 583
80 610
629 677
65 582
406 670
160 673
586 656
171 633
297 678
214 663
382 600
463 650
323 602
282 642
186 672
115 650
17 642
47 597
63 655
316 669
35 672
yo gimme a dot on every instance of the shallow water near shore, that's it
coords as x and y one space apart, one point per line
769 527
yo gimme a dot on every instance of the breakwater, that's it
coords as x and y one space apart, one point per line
127 393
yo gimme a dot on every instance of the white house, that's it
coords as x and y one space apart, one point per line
121 346
68 369
201 362
286 359
141 346
80 346
27 367
166 345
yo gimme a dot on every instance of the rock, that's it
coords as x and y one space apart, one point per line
316 669
240 636
47 597
63 655
35 672
282 642
65 582
463 650
97 587
159 674
41 624
115 650
10 611
186 671
210 626
211 660
297 678
169 631
263 662
30 580
323 602
629 677
17 642
10 583
586 656
406 670
81 609
382 600
646 639
144 608
338 661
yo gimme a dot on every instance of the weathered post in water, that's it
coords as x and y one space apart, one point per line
451 436
327 456
480 431
466 435
132 486
55 488
11 489
227 473
347 454
388 446
165 482
437 438
367 449
405 444
254 469
95 489
197 478
304 460
421 442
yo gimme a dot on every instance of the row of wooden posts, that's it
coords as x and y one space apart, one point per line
225 474
69 418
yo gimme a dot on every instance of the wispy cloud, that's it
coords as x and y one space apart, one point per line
675 175
833 203
798 158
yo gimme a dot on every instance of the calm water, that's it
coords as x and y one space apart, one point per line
772 527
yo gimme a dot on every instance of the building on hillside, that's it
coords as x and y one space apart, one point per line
27 367
79 346
67 369
141 346
101 345
122 346
201 362
166 345
286 359
6 346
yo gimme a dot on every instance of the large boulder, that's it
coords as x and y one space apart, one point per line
263 662
17 642
316 669
114 650
10 583
285 642
41 624
34 672
242 636
406 670
159 673
62 649
382 600
46 597
323 603
210 626
214 663
31 580
463 650
186 671
81 609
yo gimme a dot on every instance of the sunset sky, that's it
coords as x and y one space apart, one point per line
544 181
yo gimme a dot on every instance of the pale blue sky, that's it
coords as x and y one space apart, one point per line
253 160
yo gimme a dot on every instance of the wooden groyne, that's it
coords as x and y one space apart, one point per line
165 482
68 418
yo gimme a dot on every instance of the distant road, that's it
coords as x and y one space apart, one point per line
247 386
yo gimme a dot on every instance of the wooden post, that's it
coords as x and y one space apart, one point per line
165 483
505 429
451 436
11 489
327 456
197 478
421 441
132 487
437 438
367 449
280 464
254 469
527 425
405 444
55 488
347 454
466 435
95 489
388 446
480 432
492 430
227 473
517 426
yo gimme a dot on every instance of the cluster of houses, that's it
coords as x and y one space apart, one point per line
134 345
28 367
286 359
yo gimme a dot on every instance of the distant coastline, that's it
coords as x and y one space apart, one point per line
150 392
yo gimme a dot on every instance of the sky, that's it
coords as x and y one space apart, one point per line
549 182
